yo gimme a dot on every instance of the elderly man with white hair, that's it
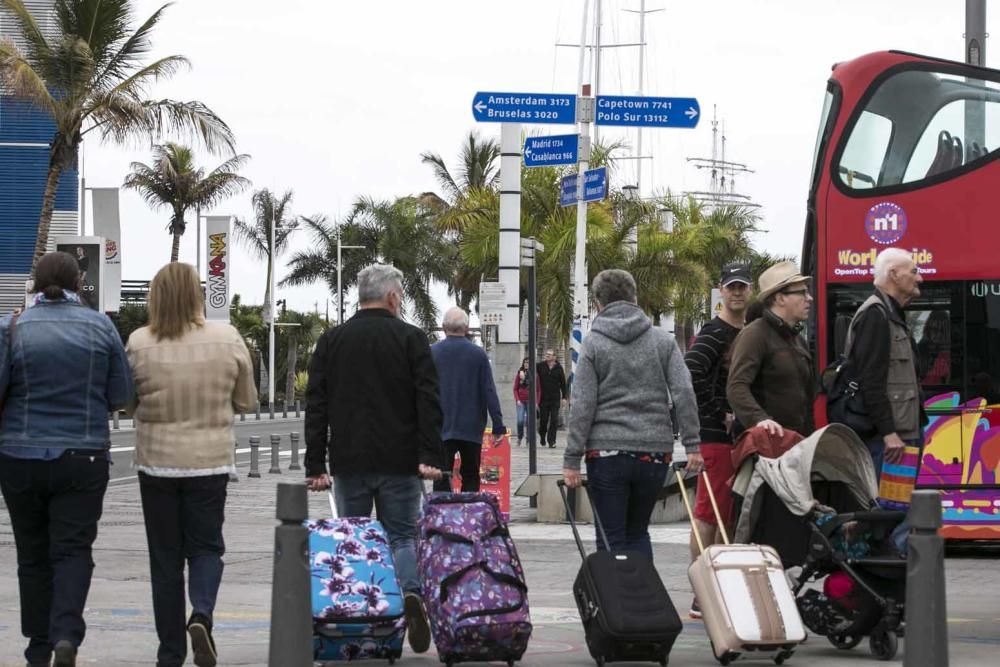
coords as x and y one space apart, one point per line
467 395
881 347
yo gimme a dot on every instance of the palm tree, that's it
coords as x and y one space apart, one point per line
256 235
93 77
174 181
477 167
400 232
476 178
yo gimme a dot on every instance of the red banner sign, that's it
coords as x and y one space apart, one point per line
494 470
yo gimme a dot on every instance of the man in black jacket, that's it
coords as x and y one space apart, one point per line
372 405
552 380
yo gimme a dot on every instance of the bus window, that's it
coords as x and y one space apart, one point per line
865 152
982 306
920 124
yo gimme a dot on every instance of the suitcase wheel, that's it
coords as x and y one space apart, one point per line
782 656
727 658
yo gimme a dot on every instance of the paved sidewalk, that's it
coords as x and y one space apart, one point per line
120 624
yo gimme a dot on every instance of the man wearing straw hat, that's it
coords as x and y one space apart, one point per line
772 382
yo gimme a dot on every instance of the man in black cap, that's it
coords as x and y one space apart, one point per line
708 362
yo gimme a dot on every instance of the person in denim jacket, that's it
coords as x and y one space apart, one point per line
62 370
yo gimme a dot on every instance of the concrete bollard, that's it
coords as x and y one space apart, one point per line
926 642
294 437
275 446
297 408
114 420
233 477
291 614
254 456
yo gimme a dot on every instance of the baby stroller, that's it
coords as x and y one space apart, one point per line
816 505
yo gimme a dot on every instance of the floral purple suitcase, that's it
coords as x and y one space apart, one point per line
473 582
356 600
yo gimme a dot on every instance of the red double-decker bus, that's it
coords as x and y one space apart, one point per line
906 157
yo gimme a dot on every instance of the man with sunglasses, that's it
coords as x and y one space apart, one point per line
771 378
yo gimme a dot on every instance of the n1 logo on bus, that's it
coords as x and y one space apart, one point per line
885 223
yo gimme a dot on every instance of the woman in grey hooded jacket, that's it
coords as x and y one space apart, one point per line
627 374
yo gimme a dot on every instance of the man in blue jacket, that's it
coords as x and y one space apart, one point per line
467 392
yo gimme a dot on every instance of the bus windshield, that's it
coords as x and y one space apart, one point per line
919 125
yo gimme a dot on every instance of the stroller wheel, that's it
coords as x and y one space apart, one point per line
845 642
883 644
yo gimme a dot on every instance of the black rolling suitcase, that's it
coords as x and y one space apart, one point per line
626 612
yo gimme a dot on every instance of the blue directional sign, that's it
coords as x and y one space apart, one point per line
595 186
547 151
524 108
632 111
567 190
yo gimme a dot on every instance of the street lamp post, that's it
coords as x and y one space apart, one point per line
270 314
630 193
340 287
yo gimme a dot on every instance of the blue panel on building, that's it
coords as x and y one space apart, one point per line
22 182
20 122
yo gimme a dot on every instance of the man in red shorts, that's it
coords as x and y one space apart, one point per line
708 362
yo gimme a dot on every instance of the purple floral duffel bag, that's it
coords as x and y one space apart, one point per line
473 582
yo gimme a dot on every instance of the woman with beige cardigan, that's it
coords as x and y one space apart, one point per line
189 376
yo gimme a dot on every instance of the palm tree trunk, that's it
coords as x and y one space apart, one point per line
175 250
48 205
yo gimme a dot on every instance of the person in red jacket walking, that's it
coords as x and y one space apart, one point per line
522 396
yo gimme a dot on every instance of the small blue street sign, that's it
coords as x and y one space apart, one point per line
633 111
595 186
567 190
548 151
524 108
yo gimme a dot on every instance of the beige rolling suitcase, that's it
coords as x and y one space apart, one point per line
744 596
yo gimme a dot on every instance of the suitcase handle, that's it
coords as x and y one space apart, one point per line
572 520
687 505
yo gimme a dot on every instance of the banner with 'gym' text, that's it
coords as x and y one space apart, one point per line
217 267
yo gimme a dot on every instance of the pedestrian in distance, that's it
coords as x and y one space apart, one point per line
190 376
620 419
772 382
708 361
552 380
373 413
522 394
468 394
62 370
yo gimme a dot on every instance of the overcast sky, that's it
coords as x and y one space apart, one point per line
338 99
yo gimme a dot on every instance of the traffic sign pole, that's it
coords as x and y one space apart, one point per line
585 112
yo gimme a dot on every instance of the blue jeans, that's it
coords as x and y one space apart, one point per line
396 499
522 414
54 508
623 490
184 517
